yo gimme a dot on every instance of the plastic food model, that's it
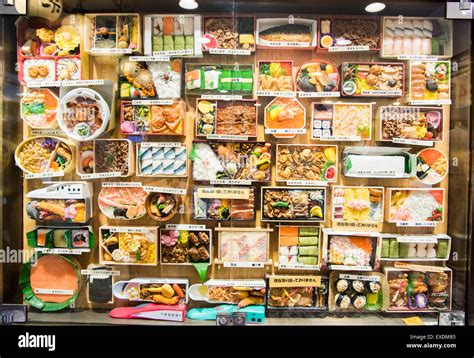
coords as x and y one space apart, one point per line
237 118
154 79
418 123
223 206
430 81
429 247
111 32
38 108
152 119
317 76
299 247
223 32
243 246
363 204
125 203
280 32
373 79
159 290
231 160
419 291
293 204
160 160
241 295
61 237
343 32
314 298
306 162
48 53
416 205
136 247
432 166
275 76
345 121
285 115
185 246
162 207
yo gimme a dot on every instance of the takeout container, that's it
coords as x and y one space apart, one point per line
52 116
174 211
418 247
430 71
436 290
65 142
265 23
77 199
335 18
348 263
235 19
148 34
318 61
118 209
182 236
114 249
198 292
62 237
267 114
446 41
83 158
338 203
161 160
271 93
380 299
219 103
89 37
289 247
135 285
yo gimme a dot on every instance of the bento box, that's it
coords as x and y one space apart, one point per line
275 78
50 52
38 108
285 117
351 251
185 247
295 204
317 78
346 33
165 291
242 293
247 247
172 35
289 33
416 37
420 247
431 166
85 113
112 34
419 289
341 121
157 79
299 247
122 200
378 162
219 118
62 203
430 82
238 162
373 79
49 238
45 155
361 204
415 206
222 204
295 295
227 34
122 245
306 163
162 206
105 158
167 118
411 125
162 159
358 292
215 79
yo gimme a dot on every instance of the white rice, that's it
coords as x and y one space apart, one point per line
165 88
420 204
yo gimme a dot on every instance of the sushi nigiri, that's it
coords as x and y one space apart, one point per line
408 28
397 46
388 46
157 26
399 29
407 46
426 46
178 26
390 28
188 26
416 46
427 28
418 28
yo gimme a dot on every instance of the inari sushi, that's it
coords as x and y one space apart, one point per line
287 33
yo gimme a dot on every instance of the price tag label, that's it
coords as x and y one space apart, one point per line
417 239
223 193
48 291
285 131
417 58
349 48
298 267
243 264
44 175
35 84
121 184
334 138
160 144
230 182
285 94
360 277
319 94
131 230
288 44
294 281
150 58
82 83
421 268
226 137
46 250
306 183
150 102
416 224
100 175
185 227
350 268
53 132
111 51
424 143
224 97
223 51
158 189
381 93
184 52
438 102
104 273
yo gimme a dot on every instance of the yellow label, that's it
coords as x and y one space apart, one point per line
223 193
295 281
413 321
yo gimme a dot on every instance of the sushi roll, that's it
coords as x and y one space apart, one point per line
390 28
358 301
342 300
417 28
408 29
427 28
358 286
374 286
342 285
